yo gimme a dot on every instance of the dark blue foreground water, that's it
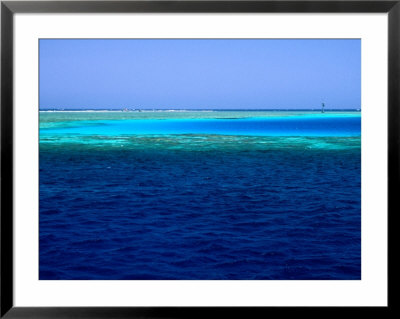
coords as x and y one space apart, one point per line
200 207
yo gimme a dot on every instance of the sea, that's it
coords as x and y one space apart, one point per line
200 195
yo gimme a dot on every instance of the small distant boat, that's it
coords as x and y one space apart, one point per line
323 108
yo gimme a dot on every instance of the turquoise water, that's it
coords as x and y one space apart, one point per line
115 124
200 195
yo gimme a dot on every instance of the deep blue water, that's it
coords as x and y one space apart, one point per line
200 206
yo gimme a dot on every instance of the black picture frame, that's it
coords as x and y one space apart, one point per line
9 8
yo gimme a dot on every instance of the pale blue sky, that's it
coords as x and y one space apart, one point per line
200 74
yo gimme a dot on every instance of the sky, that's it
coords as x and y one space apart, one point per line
199 74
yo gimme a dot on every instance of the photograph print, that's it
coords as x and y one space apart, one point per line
199 159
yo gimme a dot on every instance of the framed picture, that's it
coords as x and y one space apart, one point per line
189 158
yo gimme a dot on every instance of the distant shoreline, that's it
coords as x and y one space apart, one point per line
197 110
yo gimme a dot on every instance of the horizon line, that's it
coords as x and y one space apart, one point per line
195 109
